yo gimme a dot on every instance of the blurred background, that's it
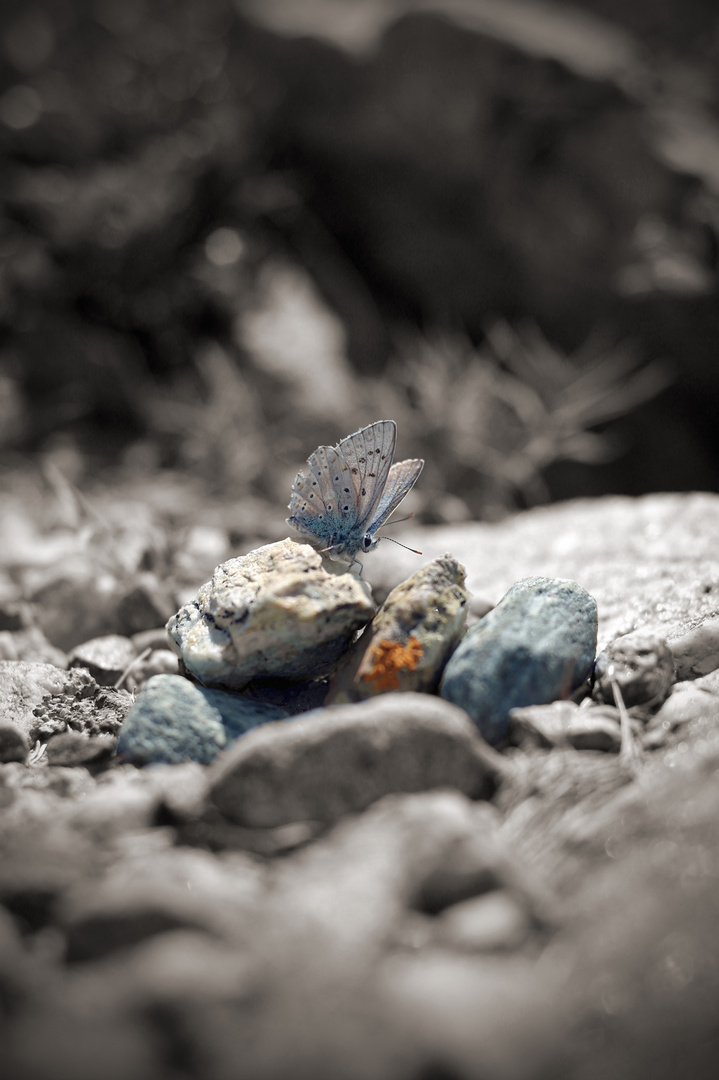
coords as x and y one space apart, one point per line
233 230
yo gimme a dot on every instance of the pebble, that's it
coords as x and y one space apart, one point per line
106 658
697 652
147 604
541 726
410 638
13 744
174 721
495 921
537 645
642 665
272 613
14 615
338 760
71 748
689 700
76 604
595 729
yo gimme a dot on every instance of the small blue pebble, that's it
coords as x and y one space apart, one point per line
535 646
174 721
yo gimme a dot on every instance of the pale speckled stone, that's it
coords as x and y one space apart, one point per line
272 613
696 653
410 638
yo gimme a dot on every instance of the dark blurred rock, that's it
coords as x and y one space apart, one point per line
13 744
76 605
14 616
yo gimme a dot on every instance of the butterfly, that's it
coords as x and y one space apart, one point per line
350 490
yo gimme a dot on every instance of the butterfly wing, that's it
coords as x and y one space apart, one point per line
402 477
351 488
368 454
315 503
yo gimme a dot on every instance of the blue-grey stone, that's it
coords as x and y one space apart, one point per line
241 714
535 646
174 721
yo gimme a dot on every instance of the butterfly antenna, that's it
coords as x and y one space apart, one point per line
406 546
396 522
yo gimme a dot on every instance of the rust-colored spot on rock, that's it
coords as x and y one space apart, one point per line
388 659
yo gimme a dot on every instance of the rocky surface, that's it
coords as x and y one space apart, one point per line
369 890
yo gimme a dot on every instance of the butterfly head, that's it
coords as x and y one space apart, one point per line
368 542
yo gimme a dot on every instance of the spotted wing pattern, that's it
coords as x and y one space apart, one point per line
369 454
350 489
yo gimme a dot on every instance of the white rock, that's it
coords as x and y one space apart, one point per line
272 613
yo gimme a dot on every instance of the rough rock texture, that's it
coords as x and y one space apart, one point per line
338 760
410 638
274 612
565 928
537 645
23 686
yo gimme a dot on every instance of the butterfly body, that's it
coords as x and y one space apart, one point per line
348 491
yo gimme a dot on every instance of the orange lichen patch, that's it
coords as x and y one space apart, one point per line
388 660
